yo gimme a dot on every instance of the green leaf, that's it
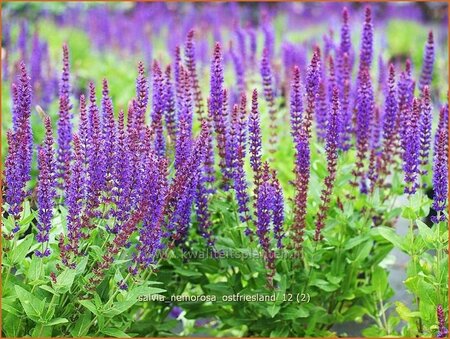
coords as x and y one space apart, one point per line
324 285
294 312
280 332
36 269
32 305
82 326
379 280
19 253
115 332
57 321
64 281
425 232
405 313
390 235
90 306
11 325
273 310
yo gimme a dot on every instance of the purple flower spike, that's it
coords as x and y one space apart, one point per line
440 167
365 112
331 149
46 191
312 87
443 331
365 56
390 118
411 152
269 95
278 210
189 52
428 62
18 160
64 151
302 161
141 98
169 105
158 109
426 120
238 146
109 135
76 194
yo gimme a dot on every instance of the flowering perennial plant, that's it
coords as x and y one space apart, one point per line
247 168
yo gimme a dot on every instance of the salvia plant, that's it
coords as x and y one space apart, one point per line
238 183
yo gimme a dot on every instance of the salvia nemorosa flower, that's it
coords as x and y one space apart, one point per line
155 188
240 36
364 116
141 102
426 120
269 95
169 105
331 150
76 194
218 96
311 90
184 129
181 193
345 47
108 134
94 155
18 160
440 168
302 161
189 53
411 152
64 151
237 148
158 109
426 75
346 113
389 121
442 331
263 207
405 97
365 56
203 191
296 104
269 205
46 190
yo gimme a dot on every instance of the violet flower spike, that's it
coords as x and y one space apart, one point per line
442 330
440 172
426 120
426 75
64 151
332 155
46 191
411 152
19 157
